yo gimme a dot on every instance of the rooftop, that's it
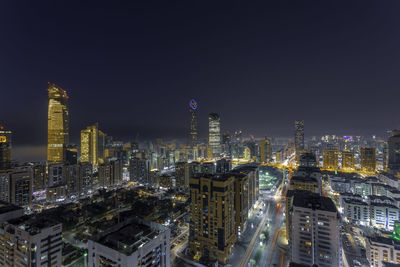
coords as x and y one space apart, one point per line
33 224
127 238
313 201
7 207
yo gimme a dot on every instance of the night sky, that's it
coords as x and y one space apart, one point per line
133 67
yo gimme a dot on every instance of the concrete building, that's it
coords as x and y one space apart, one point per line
134 242
368 159
381 250
110 173
348 160
212 232
5 148
31 241
394 152
330 159
357 212
314 232
383 215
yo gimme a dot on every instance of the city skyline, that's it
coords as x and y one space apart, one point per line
261 55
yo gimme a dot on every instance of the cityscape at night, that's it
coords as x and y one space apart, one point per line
168 133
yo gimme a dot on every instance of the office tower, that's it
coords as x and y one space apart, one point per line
85 176
394 151
5 148
56 175
89 144
110 173
57 124
182 175
214 137
193 122
265 150
71 157
299 135
21 187
368 159
212 232
101 146
348 160
138 170
330 159
133 242
31 241
314 231
39 176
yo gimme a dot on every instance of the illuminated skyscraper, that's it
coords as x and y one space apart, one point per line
368 159
5 148
89 144
193 122
299 135
214 138
348 160
330 159
57 124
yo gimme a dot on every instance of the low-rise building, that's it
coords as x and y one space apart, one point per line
134 242
381 250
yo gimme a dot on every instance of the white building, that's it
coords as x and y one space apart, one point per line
381 250
356 211
384 215
132 243
30 241
314 231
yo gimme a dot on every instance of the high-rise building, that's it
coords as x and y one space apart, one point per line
348 160
71 157
89 144
394 151
110 173
265 150
57 124
101 144
138 170
212 232
133 242
21 187
368 159
314 232
182 175
299 135
5 148
193 122
30 241
214 138
330 159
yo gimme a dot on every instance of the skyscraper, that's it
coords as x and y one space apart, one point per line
57 124
368 159
214 138
314 232
299 135
5 148
193 122
394 151
89 144
330 159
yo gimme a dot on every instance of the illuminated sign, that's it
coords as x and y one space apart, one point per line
3 139
193 104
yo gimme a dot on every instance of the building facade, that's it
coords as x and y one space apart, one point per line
57 124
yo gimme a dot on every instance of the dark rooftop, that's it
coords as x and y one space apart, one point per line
313 201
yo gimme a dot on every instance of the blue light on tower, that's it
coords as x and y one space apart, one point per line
193 104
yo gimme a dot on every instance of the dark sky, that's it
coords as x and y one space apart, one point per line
133 67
